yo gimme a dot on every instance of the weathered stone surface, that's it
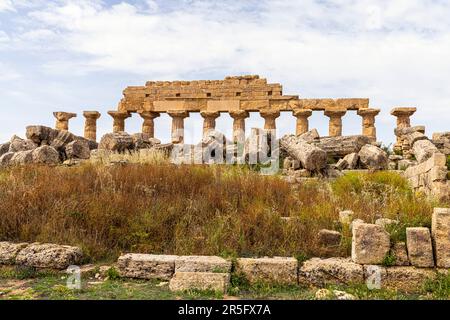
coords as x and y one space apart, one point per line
373 157
4 148
329 238
5 159
41 135
45 155
440 229
404 279
310 136
146 266
385 222
355 222
420 249
423 150
9 251
370 243
341 146
202 264
352 160
46 255
322 272
326 294
78 149
400 254
18 144
311 157
342 164
144 141
346 216
276 270
117 142
21 158
183 281
413 137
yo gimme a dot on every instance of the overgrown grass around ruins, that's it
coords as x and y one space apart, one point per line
206 210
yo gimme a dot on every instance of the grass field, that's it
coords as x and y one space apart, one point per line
206 210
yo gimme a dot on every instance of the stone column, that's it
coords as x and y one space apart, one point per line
90 125
119 120
209 122
269 119
368 122
62 120
148 126
178 125
335 126
403 115
239 125
302 116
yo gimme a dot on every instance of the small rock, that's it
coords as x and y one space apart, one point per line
46 155
324 294
420 249
78 149
342 295
373 157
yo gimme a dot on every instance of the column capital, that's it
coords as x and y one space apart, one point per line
91 114
64 116
148 114
210 114
335 113
178 114
269 113
403 111
119 114
302 113
368 112
239 114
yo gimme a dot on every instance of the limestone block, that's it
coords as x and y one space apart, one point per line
423 150
405 164
346 216
146 266
202 264
438 174
46 255
332 271
373 157
9 251
440 229
144 141
342 164
352 160
312 158
46 155
400 253
370 243
4 148
22 157
183 281
310 136
5 159
17 144
329 238
404 279
117 142
276 270
415 136
78 149
420 250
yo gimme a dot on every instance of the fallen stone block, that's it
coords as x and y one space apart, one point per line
146 266
203 281
45 155
21 158
373 157
4 148
338 147
78 149
420 249
5 160
370 243
404 279
278 270
424 150
332 271
47 255
117 142
440 229
352 160
9 251
18 144
202 264
311 157
342 164
329 238
400 253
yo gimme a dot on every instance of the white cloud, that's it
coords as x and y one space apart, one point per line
395 52
6 5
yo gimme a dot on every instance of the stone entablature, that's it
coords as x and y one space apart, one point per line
247 93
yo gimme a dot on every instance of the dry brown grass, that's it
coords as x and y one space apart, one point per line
217 210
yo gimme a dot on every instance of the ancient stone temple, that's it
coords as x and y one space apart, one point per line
236 96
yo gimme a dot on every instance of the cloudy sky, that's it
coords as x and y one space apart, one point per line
80 55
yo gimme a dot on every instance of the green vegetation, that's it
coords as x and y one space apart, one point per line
224 210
